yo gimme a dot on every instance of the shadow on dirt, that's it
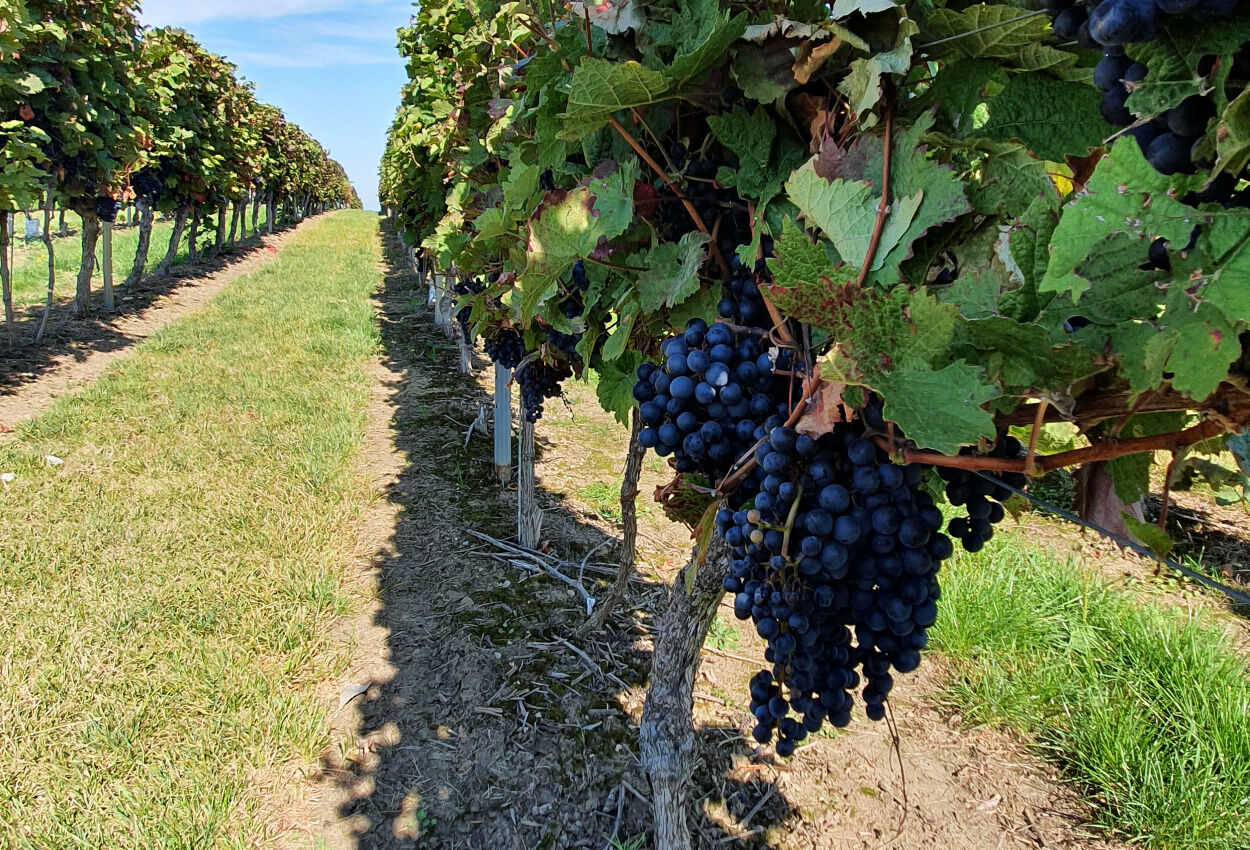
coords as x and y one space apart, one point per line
503 725
81 336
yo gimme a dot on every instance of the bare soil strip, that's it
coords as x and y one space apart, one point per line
469 716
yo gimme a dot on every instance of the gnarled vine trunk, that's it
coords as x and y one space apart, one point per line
220 242
175 240
6 282
193 252
629 525
667 735
90 237
234 222
147 217
256 213
47 242
62 228
271 212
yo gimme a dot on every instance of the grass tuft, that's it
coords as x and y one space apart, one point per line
1147 710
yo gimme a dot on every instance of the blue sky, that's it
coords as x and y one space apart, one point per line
330 65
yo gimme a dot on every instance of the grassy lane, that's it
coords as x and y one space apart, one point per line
30 271
166 592
1146 708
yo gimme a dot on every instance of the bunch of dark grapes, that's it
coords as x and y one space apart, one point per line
507 348
147 185
1109 24
713 398
540 381
982 496
742 303
571 308
107 208
835 560
466 286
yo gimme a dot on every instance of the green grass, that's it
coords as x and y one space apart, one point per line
165 595
30 270
1147 710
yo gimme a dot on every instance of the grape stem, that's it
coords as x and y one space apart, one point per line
794 511
1038 421
883 210
1103 450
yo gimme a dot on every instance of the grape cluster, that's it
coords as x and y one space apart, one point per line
466 286
571 308
713 398
1109 24
107 208
146 184
982 496
506 348
835 560
539 381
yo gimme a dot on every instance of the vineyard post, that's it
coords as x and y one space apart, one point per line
134 214
256 213
462 345
62 229
270 212
503 424
234 224
6 283
667 738
47 242
106 264
90 236
629 525
146 218
529 517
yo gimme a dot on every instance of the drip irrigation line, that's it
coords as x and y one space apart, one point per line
1235 595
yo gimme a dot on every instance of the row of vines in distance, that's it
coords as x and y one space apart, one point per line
826 256
95 110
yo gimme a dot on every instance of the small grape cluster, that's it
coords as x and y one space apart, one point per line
743 303
107 208
466 286
571 308
507 348
835 560
540 381
712 399
147 185
982 496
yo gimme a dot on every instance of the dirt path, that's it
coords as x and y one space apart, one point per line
66 367
488 720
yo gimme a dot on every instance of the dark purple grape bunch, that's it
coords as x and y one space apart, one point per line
982 496
835 560
540 381
743 303
713 397
572 307
147 185
106 208
1109 24
466 287
507 348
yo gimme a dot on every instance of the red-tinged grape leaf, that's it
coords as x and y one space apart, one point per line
703 538
806 285
686 499
824 411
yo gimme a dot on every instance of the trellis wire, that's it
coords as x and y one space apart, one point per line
1235 595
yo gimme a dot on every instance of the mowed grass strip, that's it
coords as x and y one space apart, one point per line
165 594
1145 708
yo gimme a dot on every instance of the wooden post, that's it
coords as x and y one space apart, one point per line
503 424
6 283
106 265
47 241
529 517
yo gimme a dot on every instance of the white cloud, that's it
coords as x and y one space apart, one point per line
185 12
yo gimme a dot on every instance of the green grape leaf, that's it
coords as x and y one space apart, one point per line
1143 353
1173 58
1125 195
1232 136
618 340
764 72
1029 243
957 92
846 8
672 272
600 88
983 277
1150 535
750 136
1226 240
862 86
1021 357
985 32
1053 118
1130 474
1205 345
939 410
705 31
1011 181
570 226
1119 289
615 387
882 332
846 211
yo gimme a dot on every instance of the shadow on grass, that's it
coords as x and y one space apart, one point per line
502 724
82 336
